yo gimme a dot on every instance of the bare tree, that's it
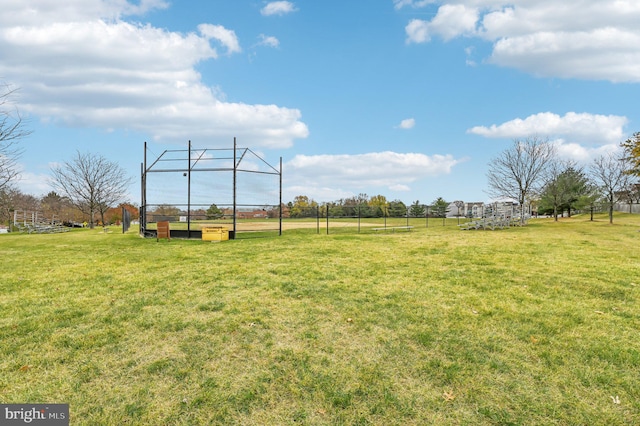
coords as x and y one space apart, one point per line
11 132
7 203
518 172
11 199
92 183
610 174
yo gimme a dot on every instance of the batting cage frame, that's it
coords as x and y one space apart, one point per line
237 162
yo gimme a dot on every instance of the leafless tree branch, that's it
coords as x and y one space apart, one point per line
92 183
12 131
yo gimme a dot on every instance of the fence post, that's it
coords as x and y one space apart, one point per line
327 219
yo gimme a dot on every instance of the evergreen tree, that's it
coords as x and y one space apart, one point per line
439 207
213 212
397 209
417 209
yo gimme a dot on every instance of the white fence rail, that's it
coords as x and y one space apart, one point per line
627 208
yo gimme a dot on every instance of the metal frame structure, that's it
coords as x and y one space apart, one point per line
34 222
192 162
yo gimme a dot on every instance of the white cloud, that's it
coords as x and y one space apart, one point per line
580 128
81 65
317 193
453 20
278 8
407 123
32 183
226 37
399 4
417 31
581 153
579 137
352 174
590 39
268 41
450 21
40 12
469 51
400 188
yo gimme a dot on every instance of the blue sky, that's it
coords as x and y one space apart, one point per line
405 98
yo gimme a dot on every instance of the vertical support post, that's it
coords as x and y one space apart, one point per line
143 201
189 192
235 169
384 213
427 216
280 199
327 219
359 217
141 211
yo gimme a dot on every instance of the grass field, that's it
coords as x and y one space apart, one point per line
525 326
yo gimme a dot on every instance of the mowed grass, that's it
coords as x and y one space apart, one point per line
524 326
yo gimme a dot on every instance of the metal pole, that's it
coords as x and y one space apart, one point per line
143 201
280 206
327 219
427 216
235 167
189 193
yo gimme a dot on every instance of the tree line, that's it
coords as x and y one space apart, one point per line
532 173
363 206
54 207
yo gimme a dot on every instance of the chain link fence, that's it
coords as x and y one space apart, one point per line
341 219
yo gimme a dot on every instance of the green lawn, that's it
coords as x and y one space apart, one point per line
537 325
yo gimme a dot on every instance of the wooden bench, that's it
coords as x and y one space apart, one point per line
393 228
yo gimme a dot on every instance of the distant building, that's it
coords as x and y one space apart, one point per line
246 214
471 209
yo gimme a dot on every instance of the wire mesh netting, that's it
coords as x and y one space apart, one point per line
196 188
